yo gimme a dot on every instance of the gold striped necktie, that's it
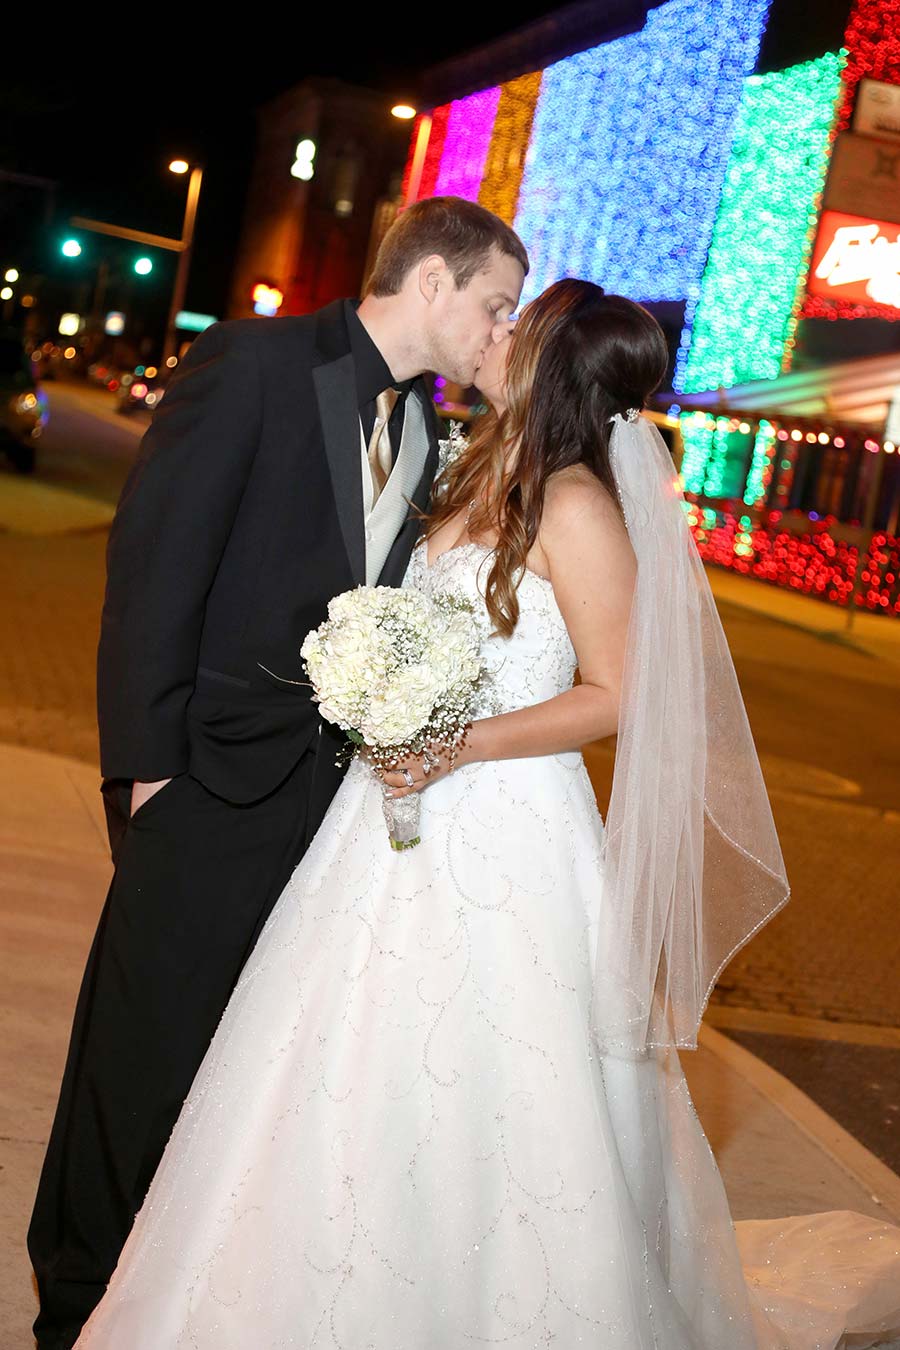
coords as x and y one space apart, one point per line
380 458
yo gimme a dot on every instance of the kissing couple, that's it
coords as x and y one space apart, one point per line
323 1093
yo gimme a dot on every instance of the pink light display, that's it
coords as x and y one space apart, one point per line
466 144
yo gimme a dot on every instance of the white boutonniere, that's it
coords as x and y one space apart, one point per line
450 449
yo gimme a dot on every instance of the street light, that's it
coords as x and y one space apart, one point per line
180 166
180 246
11 274
404 111
304 165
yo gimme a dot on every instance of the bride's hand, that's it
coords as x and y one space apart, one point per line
423 770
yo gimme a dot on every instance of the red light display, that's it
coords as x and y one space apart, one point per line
811 563
872 41
435 148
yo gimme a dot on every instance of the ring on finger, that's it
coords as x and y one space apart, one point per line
408 778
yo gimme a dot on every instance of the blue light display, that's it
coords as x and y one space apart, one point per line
628 151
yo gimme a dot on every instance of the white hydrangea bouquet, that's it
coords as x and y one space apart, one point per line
398 671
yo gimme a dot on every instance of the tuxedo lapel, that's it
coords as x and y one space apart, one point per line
335 384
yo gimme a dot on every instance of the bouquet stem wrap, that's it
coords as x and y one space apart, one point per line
401 815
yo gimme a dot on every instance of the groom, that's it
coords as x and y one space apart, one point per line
278 472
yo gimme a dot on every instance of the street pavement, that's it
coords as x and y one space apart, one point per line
778 1156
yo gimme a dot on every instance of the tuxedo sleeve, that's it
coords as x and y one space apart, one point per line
168 536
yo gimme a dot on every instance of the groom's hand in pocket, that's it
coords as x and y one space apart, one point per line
142 792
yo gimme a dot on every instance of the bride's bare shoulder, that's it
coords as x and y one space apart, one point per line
575 495
579 517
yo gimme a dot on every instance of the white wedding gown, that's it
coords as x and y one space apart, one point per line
401 1139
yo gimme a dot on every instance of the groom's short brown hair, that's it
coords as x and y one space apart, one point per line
462 233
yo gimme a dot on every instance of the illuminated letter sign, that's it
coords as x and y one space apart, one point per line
856 259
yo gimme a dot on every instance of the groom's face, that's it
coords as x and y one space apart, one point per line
463 321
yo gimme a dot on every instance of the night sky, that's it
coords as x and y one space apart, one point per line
104 112
101 102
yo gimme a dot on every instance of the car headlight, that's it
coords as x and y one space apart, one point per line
26 403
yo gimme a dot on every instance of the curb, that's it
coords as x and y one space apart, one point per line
854 1158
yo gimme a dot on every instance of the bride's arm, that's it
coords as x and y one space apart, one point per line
591 565
584 548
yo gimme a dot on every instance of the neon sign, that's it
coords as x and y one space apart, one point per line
856 259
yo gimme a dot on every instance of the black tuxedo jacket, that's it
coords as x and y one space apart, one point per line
241 519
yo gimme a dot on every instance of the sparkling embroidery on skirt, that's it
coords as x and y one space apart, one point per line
401 1138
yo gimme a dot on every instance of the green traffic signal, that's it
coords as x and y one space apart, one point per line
72 248
143 266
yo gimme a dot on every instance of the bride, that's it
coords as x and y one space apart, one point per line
444 1107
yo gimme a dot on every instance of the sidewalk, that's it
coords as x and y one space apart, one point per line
779 1154
876 634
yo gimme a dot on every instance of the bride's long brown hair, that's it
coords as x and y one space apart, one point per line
577 356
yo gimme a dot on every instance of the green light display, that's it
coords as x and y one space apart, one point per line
746 313
760 474
697 437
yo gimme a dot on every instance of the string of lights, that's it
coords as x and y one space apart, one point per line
811 561
872 47
744 321
628 151
433 154
466 144
509 144
872 41
410 157
780 543
708 194
760 474
818 307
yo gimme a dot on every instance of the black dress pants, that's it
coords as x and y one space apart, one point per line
195 880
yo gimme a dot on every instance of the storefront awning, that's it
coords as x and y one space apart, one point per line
850 392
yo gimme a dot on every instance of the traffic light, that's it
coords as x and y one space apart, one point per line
143 266
72 248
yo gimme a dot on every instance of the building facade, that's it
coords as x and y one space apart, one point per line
326 174
737 171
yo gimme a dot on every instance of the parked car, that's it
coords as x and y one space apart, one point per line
23 404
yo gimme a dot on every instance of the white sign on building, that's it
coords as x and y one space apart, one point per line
877 110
